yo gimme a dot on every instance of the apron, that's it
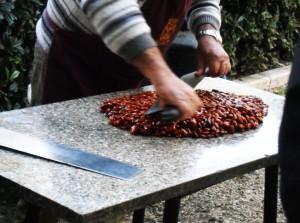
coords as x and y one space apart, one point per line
80 64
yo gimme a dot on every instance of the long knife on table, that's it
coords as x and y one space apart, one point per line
17 142
171 113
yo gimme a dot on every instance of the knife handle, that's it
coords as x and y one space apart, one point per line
167 114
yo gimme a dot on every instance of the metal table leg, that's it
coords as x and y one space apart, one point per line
139 216
171 212
270 199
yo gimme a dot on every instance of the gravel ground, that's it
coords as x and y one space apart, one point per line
234 201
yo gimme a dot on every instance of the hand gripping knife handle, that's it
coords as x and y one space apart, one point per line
171 113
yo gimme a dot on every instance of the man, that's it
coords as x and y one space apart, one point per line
90 47
289 145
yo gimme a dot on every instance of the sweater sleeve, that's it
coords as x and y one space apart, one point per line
204 12
121 26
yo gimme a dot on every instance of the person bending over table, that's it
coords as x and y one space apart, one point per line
91 47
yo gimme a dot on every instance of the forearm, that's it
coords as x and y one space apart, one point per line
152 65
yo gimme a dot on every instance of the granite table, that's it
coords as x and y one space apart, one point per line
172 167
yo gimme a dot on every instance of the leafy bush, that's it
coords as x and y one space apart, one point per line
258 35
17 36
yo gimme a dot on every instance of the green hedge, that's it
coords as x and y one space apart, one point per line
258 35
17 36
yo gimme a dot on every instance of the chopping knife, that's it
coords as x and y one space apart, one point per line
17 142
171 113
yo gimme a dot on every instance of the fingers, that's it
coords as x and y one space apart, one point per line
200 69
189 108
214 68
218 68
225 67
187 104
162 103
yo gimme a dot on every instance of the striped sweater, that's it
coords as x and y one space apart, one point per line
119 23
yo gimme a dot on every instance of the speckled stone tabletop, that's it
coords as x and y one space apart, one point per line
171 167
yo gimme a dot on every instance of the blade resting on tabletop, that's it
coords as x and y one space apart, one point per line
17 142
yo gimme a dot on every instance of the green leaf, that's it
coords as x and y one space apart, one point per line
14 75
13 87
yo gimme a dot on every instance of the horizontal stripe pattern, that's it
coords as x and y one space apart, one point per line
204 12
119 23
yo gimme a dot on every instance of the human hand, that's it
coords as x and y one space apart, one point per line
212 56
171 90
